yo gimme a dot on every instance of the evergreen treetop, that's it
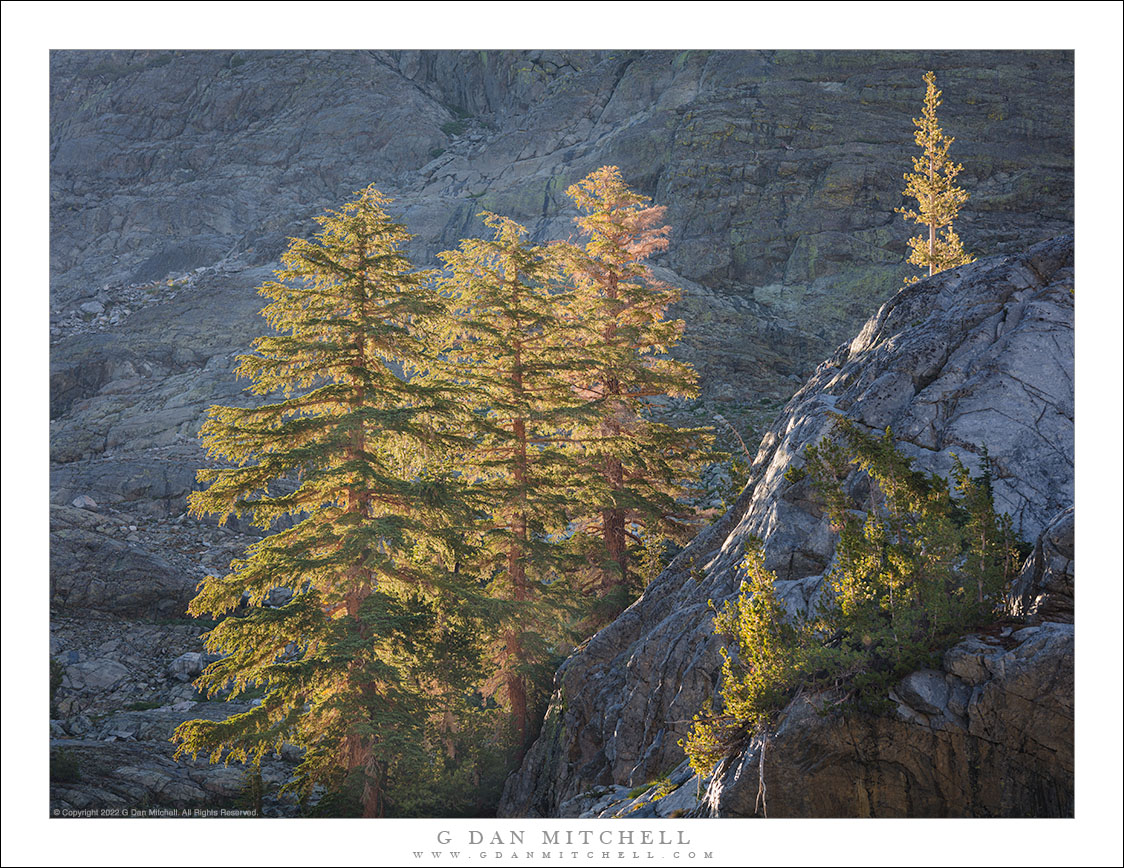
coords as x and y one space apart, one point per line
514 341
376 644
932 184
637 468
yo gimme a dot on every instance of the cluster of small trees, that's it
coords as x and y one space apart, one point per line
465 459
915 567
912 571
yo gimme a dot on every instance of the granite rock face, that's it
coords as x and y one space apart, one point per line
980 356
991 735
92 568
120 688
1044 589
135 773
176 178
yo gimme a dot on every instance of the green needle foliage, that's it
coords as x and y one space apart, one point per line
442 465
771 656
919 569
916 566
514 339
367 666
638 470
932 184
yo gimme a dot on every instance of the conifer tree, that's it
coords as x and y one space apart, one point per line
637 468
932 184
375 648
514 341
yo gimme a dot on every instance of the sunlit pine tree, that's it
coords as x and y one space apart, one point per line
376 645
514 340
638 469
933 184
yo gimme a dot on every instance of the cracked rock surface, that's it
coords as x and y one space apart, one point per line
980 356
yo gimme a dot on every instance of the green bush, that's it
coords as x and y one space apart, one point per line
252 794
766 659
652 556
65 768
636 792
917 565
660 787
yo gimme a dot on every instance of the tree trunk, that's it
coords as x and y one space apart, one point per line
612 521
517 553
358 753
520 590
932 223
360 749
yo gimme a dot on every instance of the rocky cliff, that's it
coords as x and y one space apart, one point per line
973 358
176 178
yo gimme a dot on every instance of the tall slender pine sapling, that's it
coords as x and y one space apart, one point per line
932 184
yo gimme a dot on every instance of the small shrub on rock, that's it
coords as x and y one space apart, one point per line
920 562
